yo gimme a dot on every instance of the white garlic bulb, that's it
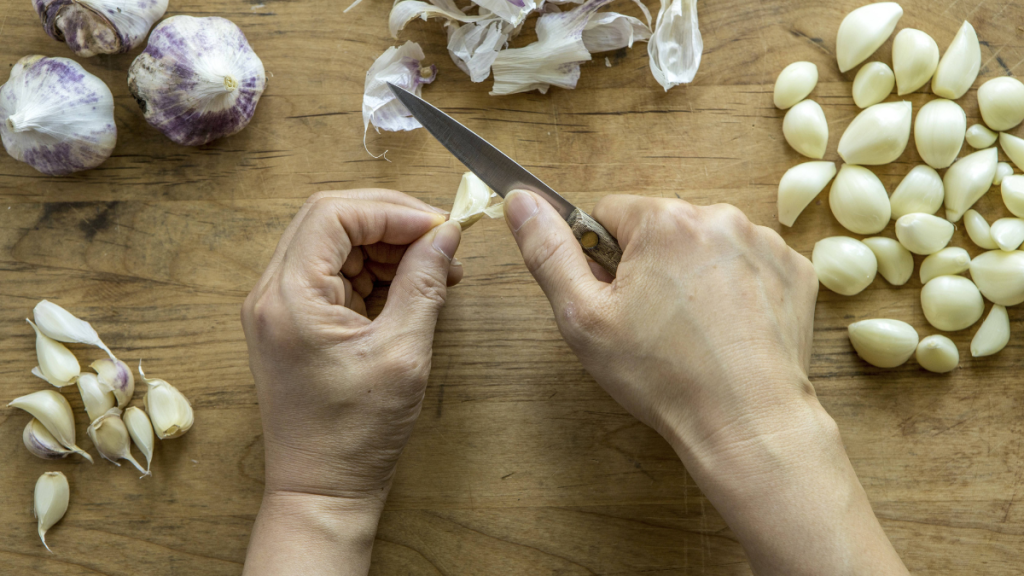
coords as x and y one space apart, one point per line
63 326
967 180
57 365
91 27
1003 169
471 201
1008 233
921 190
978 230
959 66
1000 276
141 430
795 83
994 333
40 442
53 411
895 263
863 31
923 233
978 136
110 436
50 502
938 354
1013 147
198 80
873 83
859 201
939 132
799 185
167 407
115 375
946 262
915 55
56 117
96 397
951 303
878 135
844 265
806 129
1001 102
882 342
1012 188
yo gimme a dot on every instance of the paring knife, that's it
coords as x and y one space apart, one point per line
504 175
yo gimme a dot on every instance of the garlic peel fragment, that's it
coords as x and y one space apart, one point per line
50 502
863 31
923 233
946 262
168 409
40 442
141 430
993 335
806 129
895 263
399 66
878 135
1000 276
967 180
474 46
951 303
57 365
794 83
63 326
882 342
873 83
915 55
91 27
959 66
1001 102
978 136
859 201
939 132
938 354
978 230
799 185
844 265
608 31
53 412
921 190
675 48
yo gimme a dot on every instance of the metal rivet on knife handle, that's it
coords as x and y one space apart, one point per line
595 240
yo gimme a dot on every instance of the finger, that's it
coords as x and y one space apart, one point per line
455 273
385 253
359 305
625 216
346 300
382 272
354 263
362 283
600 273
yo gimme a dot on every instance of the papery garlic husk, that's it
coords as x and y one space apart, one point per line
920 191
939 132
1008 233
168 408
41 443
959 66
799 185
98 399
474 46
795 83
946 262
91 27
399 66
471 201
859 201
895 263
405 11
50 502
951 303
608 31
116 376
915 55
1013 147
923 233
56 117
63 326
882 342
1001 102
111 438
512 11
53 411
57 365
994 333
806 129
141 431
873 83
878 135
844 265
1003 169
1012 188
676 46
978 136
938 354
197 80
1000 276
979 231
967 180
863 31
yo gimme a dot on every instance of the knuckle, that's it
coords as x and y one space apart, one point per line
582 323
426 286
407 367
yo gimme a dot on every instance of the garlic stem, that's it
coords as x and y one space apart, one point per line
938 354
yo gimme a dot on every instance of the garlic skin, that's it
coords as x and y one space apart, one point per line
967 180
98 399
168 408
795 83
878 135
676 46
1000 276
923 233
56 117
873 83
1012 188
978 136
951 303
895 263
939 132
882 342
915 56
979 231
1014 148
402 67
921 190
1008 233
57 365
1001 102
141 431
959 66
844 265
993 335
801 184
863 31
110 436
41 443
946 262
91 27
63 326
859 201
50 502
116 377
471 201
938 354
806 129
1003 169
197 80
53 412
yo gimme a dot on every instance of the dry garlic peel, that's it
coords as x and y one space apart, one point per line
873 83
959 66
676 46
938 354
923 233
795 83
1012 188
1014 148
1001 102
116 377
1003 169
844 265
41 443
608 31
53 411
979 231
951 303
895 263
859 201
98 399
57 365
167 407
474 46
921 190
939 132
141 431
863 31
50 502
915 55
882 342
1000 276
967 180
110 436
878 135
799 185
1008 233
978 136
946 262
471 201
806 129
993 335
63 326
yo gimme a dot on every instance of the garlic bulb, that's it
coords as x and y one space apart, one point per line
1012 188
1000 276
1001 102
110 436
923 233
873 83
799 185
197 80
915 55
920 190
50 502
946 262
116 377
63 326
951 303
471 201
878 135
56 117
967 180
1008 233
863 31
91 27
53 411
96 397
57 365
1013 147
806 129
41 443
795 83
895 263
859 201
939 132
959 66
1003 169
938 354
979 231
882 342
978 136
994 333
141 431
844 265
168 408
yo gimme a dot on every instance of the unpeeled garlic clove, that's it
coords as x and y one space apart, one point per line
844 265
1012 188
1000 276
57 365
859 201
993 335
873 83
979 231
806 129
895 263
938 353
863 31
882 342
951 303
1003 170
471 201
1008 233
53 411
110 436
946 262
167 407
959 66
915 55
1014 148
141 430
117 377
50 502
795 83
920 190
978 136
923 233
1001 102
878 135
799 185
96 397
967 180
41 443
63 326
92 27
939 132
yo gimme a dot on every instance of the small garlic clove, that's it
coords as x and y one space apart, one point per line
41 443
799 185
921 190
1003 169
939 132
967 180
938 354
979 136
915 56
959 66
895 263
1008 233
946 262
878 135
795 83
1001 102
91 27
994 333
110 436
1000 276
471 201
1013 147
863 31
844 265
951 303
50 502
882 342
117 377
859 201
168 409
141 431
63 326
873 83
1012 188
806 129
979 231
96 397
53 411
923 233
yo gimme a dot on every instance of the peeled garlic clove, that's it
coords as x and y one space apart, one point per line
141 431
1003 170
959 66
878 135
116 377
63 326
1000 276
53 411
1001 102
110 436
859 201
1008 233
1012 188
923 233
57 365
844 265
882 342
946 262
939 132
50 502
895 263
1014 148
979 231
168 408
471 201
91 27
806 129
978 136
994 333
41 443
863 31
967 180
799 185
96 397
795 83
938 354
874 81
915 55
951 303
920 190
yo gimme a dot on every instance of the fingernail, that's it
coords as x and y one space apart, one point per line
519 208
446 239
455 262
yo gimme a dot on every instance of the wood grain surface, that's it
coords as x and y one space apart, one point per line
520 464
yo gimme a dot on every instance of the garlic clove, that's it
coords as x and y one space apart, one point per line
979 231
1014 148
57 365
91 27
110 436
946 262
873 83
859 201
895 263
96 397
882 342
1000 276
141 431
863 31
806 129
844 265
1003 169
938 354
978 136
795 83
63 326
116 377
923 233
1012 188
921 190
878 135
1001 102
471 201
799 185
939 132
967 180
1008 233
915 56
951 303
993 335
41 443
959 66
53 412
50 502
168 409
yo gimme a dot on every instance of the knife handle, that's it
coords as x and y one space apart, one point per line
595 240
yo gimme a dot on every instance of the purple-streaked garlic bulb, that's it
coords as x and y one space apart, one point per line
91 27
56 117
197 80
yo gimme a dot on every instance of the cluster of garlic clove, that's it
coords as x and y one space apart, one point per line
54 413
110 436
91 27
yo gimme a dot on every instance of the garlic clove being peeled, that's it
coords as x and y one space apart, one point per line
844 265
915 56
117 377
799 185
53 411
1003 169
863 31
923 233
873 83
141 431
1008 233
795 83
979 231
946 262
921 190
63 326
938 354
859 201
994 333
1012 188
1014 148
110 436
471 201
959 66
96 397
882 342
50 502
967 180
878 135
978 136
1001 102
895 263
168 408
939 132
197 80
806 129
91 27
57 365
41 443
1000 276
951 303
